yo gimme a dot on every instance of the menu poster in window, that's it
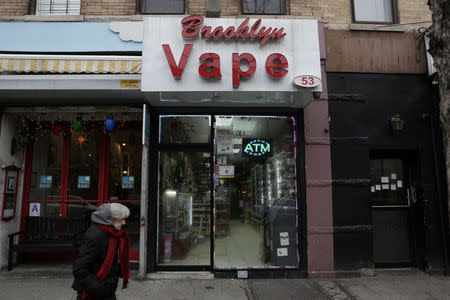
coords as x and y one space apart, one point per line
11 184
8 211
127 182
84 182
45 182
224 142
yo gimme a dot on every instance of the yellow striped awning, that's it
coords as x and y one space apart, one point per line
70 64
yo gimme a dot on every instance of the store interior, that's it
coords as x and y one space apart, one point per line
254 197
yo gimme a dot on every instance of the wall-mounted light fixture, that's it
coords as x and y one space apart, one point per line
397 123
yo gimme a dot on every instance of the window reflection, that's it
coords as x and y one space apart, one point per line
46 169
83 165
125 165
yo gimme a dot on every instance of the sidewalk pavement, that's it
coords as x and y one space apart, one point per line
29 281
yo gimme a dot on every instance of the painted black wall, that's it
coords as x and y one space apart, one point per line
360 107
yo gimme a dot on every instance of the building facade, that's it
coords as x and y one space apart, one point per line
249 138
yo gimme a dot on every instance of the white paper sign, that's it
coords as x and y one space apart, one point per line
35 210
393 187
242 274
226 171
282 252
385 179
385 186
378 187
394 176
284 238
224 142
372 189
399 184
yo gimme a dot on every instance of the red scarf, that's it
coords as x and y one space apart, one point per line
123 238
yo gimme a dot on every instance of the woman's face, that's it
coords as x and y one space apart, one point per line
118 223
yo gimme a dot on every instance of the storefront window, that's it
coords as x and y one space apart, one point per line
187 129
125 165
255 193
184 205
83 166
46 168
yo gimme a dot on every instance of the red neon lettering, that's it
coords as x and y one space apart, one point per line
236 69
177 70
210 66
275 63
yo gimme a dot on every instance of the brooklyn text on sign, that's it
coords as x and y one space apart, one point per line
191 29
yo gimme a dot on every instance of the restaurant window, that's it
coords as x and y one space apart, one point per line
58 7
163 7
269 7
373 11
124 185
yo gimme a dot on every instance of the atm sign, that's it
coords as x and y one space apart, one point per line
256 147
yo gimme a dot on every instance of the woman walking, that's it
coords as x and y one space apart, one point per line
103 256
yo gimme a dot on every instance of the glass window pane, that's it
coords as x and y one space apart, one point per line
387 182
81 209
184 208
133 224
184 129
83 166
46 166
263 6
373 10
49 209
125 165
255 192
164 7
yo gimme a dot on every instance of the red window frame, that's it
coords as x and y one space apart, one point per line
104 158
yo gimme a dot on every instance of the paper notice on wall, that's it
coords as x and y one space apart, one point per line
399 184
394 176
372 189
282 252
393 187
378 187
384 179
385 186
284 238
224 142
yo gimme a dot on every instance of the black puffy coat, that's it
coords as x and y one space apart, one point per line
93 250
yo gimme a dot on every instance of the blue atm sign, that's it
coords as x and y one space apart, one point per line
256 147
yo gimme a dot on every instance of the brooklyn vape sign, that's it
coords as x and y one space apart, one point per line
221 54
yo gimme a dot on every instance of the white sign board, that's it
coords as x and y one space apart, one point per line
35 210
300 48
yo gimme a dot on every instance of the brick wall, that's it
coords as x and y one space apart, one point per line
230 7
336 11
413 11
108 7
196 7
13 7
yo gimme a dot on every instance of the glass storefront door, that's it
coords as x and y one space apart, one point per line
250 219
